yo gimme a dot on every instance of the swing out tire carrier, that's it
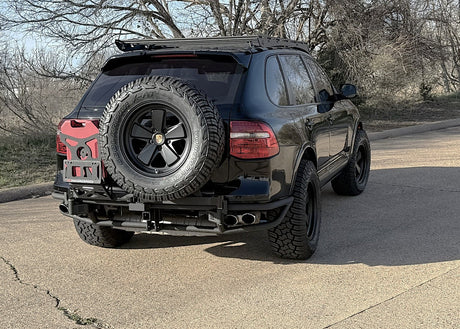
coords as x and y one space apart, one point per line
209 136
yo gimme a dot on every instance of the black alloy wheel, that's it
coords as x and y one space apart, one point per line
156 140
311 209
353 178
361 165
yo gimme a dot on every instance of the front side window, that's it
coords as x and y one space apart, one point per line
298 79
322 81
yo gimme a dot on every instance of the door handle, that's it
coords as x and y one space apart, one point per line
329 118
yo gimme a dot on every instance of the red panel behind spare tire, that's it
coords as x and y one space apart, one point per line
160 138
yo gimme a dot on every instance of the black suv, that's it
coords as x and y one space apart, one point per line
209 136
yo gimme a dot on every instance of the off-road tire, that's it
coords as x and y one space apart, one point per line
202 127
296 237
353 178
101 236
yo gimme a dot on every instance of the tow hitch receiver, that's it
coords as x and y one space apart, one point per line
152 219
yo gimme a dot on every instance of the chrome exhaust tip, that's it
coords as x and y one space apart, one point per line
248 218
64 208
231 220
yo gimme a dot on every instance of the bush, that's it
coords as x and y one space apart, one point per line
425 91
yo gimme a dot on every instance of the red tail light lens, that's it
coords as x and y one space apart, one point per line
60 146
77 124
252 140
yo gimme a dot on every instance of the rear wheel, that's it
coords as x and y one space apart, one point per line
101 236
297 235
353 178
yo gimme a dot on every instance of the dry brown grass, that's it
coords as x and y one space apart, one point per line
405 114
26 160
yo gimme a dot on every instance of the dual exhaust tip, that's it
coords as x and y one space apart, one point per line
246 219
64 209
230 220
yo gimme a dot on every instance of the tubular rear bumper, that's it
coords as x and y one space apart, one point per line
160 217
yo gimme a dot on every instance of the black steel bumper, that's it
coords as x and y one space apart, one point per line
149 216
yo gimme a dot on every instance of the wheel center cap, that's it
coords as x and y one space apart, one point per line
159 139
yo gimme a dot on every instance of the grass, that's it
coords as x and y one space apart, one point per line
77 318
26 160
408 113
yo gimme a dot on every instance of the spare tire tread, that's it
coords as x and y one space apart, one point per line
212 141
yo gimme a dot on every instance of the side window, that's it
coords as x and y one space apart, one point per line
322 82
299 81
274 81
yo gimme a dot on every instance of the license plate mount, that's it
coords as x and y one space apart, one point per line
81 171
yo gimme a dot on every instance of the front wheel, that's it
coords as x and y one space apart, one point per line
296 237
353 178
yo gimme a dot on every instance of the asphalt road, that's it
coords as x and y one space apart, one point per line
388 258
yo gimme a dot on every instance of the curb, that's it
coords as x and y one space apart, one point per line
25 192
413 129
38 190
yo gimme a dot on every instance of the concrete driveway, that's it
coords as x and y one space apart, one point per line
388 258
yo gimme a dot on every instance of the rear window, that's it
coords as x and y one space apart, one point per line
217 76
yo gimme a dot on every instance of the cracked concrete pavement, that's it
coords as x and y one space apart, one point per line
389 258
37 291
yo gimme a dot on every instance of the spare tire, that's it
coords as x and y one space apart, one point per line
160 138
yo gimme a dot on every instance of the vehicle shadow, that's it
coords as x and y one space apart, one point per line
252 246
406 216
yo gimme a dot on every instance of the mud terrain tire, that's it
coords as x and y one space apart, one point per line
160 138
101 236
296 237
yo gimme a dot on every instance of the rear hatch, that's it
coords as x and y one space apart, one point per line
218 76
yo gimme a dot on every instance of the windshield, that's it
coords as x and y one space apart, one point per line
217 76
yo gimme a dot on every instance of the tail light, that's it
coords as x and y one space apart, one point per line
60 146
252 140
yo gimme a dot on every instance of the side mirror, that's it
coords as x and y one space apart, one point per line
349 90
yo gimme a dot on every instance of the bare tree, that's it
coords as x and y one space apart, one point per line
306 20
84 30
444 19
89 25
80 22
30 104
385 46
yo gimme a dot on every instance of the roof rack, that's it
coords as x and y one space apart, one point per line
243 43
